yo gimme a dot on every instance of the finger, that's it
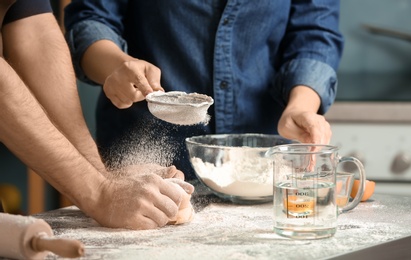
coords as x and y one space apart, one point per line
169 172
143 87
311 128
136 96
125 98
329 136
160 212
167 207
179 175
187 187
153 75
172 172
172 191
320 132
119 103
166 172
141 223
156 206
328 133
164 219
315 135
184 215
130 93
116 97
139 80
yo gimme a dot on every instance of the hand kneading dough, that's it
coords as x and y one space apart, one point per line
185 213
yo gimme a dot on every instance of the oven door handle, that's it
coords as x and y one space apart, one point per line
387 32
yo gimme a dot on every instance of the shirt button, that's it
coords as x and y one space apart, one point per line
226 21
223 84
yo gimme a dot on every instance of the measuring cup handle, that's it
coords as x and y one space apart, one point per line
361 188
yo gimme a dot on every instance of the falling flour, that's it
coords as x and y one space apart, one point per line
246 178
144 146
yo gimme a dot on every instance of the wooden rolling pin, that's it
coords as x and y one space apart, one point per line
25 237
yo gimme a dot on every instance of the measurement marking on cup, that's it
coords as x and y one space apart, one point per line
298 204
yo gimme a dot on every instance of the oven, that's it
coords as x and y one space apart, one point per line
371 118
379 135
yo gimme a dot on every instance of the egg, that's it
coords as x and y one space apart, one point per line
368 192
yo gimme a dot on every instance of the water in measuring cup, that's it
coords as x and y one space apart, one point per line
305 213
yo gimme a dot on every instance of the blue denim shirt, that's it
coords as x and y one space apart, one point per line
247 55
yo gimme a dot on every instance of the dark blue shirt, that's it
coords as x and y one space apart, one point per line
247 55
25 8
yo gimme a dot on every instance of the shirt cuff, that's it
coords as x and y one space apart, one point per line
84 34
314 74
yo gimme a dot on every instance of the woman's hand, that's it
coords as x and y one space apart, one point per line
306 127
125 79
131 82
300 120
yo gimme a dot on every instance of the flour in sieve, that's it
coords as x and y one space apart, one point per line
181 115
239 177
180 108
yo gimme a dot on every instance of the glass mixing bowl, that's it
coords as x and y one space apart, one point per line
233 166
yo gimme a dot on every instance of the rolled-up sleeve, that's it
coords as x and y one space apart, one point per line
311 50
88 21
84 34
317 75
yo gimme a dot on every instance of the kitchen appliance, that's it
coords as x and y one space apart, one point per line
371 118
378 134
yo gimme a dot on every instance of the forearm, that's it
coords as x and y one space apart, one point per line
43 61
101 59
27 132
304 99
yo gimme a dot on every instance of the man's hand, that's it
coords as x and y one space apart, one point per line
145 168
143 201
185 211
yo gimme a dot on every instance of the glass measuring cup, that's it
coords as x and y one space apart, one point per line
345 181
305 189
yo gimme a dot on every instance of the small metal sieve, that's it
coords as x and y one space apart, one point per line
179 107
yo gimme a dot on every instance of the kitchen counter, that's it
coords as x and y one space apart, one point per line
227 231
370 112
